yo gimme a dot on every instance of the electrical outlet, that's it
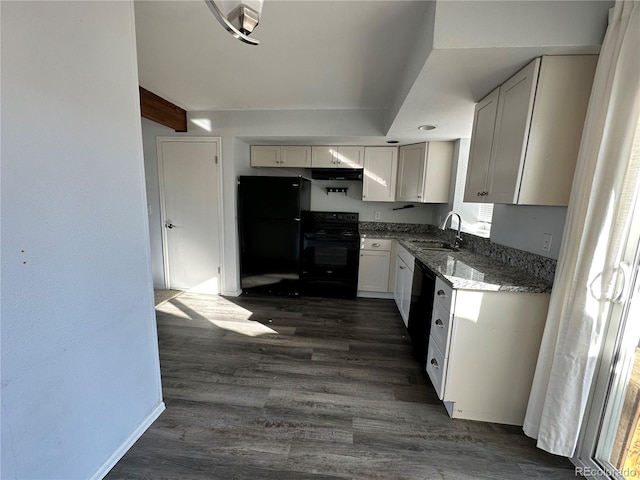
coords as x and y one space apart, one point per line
377 215
546 242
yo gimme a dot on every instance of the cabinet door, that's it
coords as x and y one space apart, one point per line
265 156
401 267
405 302
324 157
484 121
515 106
562 97
411 169
373 273
350 157
295 156
437 174
380 168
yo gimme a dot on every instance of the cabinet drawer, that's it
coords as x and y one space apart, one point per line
440 325
436 367
443 294
375 244
406 257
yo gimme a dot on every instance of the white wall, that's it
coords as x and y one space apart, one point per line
518 226
79 366
352 202
518 24
523 227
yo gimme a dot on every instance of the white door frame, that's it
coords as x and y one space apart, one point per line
219 193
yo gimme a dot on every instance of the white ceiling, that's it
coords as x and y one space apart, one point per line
405 62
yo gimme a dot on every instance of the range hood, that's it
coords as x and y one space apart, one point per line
336 173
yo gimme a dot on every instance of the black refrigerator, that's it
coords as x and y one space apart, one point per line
269 225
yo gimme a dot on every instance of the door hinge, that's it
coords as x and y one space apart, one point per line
216 159
218 270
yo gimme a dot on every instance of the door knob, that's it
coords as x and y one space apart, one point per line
169 225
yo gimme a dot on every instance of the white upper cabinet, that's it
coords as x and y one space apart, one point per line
515 106
265 156
380 170
281 156
295 156
528 157
424 172
484 121
337 156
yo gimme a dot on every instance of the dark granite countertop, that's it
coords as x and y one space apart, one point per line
465 270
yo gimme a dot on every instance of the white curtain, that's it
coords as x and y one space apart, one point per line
598 218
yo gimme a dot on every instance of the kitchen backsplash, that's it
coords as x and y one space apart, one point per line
537 265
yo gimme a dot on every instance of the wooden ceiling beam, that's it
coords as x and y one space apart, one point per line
153 107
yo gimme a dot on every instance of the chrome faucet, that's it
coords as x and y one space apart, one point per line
443 226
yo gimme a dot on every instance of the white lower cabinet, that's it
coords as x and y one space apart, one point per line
483 350
404 279
375 260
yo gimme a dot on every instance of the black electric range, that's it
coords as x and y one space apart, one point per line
330 254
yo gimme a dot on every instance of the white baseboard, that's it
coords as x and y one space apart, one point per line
128 443
231 293
386 295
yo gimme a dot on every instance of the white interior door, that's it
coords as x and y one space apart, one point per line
190 207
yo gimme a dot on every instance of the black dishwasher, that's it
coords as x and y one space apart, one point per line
419 325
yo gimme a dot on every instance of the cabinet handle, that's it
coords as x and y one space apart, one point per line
375 244
439 323
434 363
419 196
479 194
401 267
441 294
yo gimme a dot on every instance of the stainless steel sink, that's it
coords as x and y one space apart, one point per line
434 245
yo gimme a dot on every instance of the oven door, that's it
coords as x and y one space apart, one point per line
330 265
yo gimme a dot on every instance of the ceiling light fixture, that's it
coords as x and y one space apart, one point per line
240 19
426 128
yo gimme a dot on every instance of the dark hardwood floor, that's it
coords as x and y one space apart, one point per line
309 388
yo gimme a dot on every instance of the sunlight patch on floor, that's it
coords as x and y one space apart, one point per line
226 315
